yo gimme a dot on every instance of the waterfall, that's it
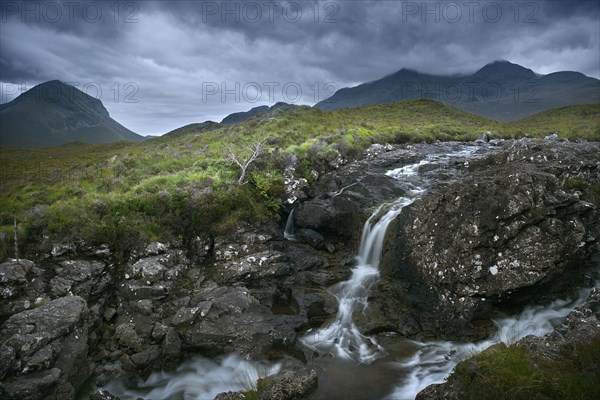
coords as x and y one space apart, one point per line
289 232
342 338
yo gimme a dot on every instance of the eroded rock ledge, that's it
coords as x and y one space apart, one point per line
518 228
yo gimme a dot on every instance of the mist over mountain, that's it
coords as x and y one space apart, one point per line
500 90
54 113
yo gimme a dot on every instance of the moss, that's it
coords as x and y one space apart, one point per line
511 372
590 191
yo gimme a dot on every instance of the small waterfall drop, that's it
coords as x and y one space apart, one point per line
342 338
289 232
433 362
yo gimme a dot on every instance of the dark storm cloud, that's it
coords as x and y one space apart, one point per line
159 65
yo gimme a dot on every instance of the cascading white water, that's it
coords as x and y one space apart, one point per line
433 362
199 379
289 232
342 337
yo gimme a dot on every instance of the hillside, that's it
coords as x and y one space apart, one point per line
500 90
53 113
179 184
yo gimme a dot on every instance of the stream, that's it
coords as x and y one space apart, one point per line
350 364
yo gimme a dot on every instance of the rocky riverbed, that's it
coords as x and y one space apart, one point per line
499 225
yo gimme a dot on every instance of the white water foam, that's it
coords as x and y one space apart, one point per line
289 232
342 337
199 379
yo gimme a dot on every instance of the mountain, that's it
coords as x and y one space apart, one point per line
261 110
54 113
500 90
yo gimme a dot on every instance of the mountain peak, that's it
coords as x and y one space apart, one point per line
503 69
53 113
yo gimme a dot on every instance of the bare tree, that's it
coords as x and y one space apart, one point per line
245 156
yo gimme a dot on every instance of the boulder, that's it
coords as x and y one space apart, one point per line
505 235
288 385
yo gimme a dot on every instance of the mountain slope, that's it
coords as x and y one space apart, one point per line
500 90
53 113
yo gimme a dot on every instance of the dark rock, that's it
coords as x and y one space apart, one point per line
128 337
171 344
230 396
79 277
62 248
103 395
497 239
34 386
144 358
314 239
155 248
51 340
288 385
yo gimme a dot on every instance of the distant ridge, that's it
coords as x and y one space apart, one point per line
193 128
54 113
244 115
500 90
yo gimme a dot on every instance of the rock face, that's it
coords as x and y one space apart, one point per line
45 351
514 228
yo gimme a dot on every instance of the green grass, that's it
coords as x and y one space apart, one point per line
512 373
183 184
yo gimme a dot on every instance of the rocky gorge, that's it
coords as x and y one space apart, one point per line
492 226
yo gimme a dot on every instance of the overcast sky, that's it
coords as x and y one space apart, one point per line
160 65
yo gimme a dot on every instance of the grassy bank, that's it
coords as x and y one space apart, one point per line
185 184
513 373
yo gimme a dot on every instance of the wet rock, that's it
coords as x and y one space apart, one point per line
155 248
128 337
34 386
314 239
144 358
231 396
13 279
288 385
62 249
103 395
376 149
46 350
172 343
79 277
238 322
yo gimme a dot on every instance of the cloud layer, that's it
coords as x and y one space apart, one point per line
160 65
